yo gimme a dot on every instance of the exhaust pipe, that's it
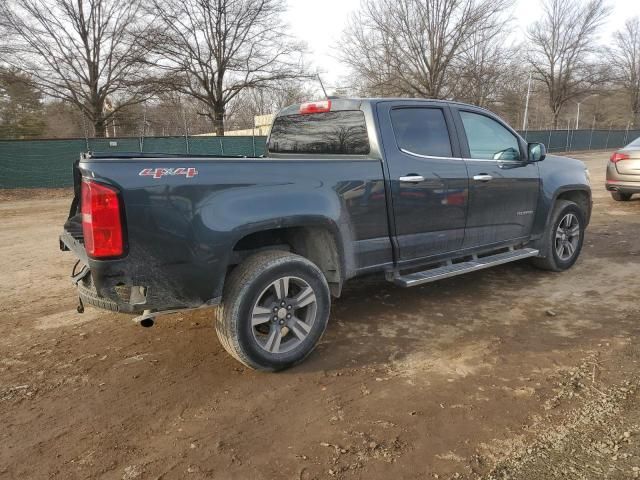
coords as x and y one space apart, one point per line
146 320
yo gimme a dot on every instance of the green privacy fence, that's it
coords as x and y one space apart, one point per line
47 163
575 140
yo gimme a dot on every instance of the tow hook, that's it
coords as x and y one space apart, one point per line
80 307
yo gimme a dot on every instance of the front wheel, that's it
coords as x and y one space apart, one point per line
275 309
564 238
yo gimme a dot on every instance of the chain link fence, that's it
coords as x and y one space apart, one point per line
48 163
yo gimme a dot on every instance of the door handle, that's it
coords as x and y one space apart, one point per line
483 177
412 178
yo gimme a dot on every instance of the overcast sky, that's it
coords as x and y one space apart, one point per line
320 24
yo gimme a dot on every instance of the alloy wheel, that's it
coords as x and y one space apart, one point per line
283 314
567 237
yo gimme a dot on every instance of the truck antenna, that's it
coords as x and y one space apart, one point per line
322 86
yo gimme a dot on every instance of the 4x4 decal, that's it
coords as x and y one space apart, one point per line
160 172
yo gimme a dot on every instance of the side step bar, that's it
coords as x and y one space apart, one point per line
438 273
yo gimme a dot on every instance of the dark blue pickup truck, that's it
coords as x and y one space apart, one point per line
416 189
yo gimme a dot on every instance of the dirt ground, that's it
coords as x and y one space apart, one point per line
508 373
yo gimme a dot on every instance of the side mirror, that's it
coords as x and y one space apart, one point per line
537 152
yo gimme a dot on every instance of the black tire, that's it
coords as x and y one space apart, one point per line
621 197
247 285
549 258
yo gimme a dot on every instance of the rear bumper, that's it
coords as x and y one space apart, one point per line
117 299
622 187
106 284
89 296
620 182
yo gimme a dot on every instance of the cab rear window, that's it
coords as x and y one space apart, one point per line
332 133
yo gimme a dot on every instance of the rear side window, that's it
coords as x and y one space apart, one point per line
488 139
421 131
333 133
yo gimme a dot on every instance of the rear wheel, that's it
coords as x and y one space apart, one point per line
275 309
564 238
621 197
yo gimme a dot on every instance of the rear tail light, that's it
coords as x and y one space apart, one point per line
101 220
315 107
617 156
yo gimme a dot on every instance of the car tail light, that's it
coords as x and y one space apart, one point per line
617 156
315 107
101 220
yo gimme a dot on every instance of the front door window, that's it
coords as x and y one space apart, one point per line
488 140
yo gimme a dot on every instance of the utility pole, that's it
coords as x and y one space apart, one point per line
526 105
144 126
186 131
322 85
593 126
578 112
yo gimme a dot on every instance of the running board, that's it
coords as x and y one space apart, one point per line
451 270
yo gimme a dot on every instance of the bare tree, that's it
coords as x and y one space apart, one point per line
485 67
86 52
561 48
508 99
369 53
215 49
626 62
409 47
252 102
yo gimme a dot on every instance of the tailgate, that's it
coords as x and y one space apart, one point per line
73 225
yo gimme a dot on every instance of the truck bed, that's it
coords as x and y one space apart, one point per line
186 217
